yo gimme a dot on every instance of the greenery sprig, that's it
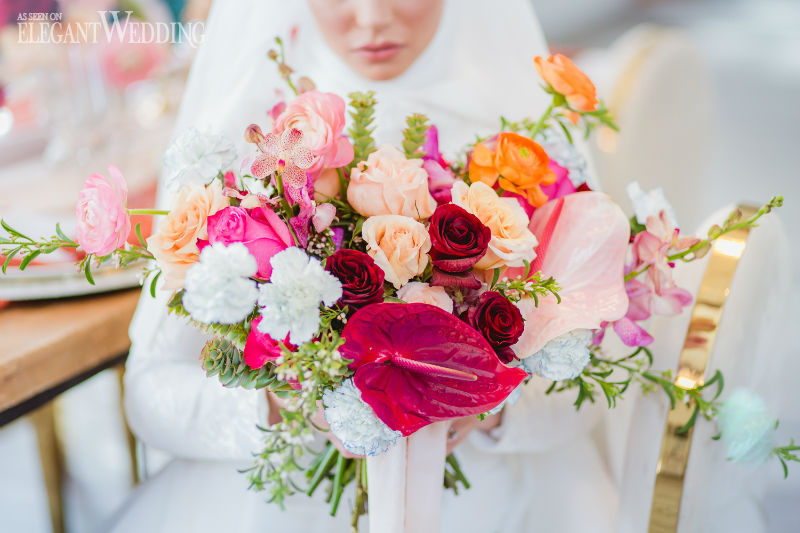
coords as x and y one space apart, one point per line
733 223
417 125
529 285
362 113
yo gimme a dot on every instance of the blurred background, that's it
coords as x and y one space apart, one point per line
705 92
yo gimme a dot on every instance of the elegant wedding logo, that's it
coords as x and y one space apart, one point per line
51 28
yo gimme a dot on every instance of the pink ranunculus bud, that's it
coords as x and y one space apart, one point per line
103 220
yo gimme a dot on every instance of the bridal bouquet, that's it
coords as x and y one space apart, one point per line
376 290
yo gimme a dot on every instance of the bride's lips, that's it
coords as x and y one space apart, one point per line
377 52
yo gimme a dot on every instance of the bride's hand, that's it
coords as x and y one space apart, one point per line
276 404
460 428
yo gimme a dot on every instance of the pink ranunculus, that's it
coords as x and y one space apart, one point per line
103 221
259 229
260 347
320 116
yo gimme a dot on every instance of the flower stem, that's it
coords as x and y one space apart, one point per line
148 212
540 124
342 183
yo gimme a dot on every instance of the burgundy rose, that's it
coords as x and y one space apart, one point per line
499 321
361 278
458 241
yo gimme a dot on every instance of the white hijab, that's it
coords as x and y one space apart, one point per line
477 68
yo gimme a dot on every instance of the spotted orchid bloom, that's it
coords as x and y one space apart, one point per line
285 154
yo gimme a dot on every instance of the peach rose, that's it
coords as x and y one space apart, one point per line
320 116
417 292
397 244
175 244
566 78
326 186
390 184
512 242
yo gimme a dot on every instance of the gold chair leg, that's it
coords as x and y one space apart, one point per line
130 438
52 461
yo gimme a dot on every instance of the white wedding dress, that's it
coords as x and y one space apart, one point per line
539 472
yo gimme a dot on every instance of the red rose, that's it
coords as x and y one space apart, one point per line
458 241
499 321
361 278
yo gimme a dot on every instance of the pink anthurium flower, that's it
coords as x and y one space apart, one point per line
583 242
417 364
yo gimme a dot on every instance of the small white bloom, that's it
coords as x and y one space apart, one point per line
650 204
563 357
290 302
218 288
566 154
196 158
746 427
354 422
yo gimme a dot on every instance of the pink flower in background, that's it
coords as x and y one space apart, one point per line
286 153
562 186
440 177
103 220
259 229
261 348
320 117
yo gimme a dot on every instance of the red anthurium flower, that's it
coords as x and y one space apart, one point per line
417 364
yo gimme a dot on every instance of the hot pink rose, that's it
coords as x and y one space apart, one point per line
103 221
320 116
260 347
259 229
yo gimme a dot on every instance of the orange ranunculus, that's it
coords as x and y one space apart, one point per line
519 164
563 76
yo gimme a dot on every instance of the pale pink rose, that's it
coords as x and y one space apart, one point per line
512 242
103 221
390 184
320 116
175 244
417 292
326 186
397 244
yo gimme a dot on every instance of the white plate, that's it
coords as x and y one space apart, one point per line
45 282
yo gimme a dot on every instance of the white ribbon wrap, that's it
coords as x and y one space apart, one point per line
405 483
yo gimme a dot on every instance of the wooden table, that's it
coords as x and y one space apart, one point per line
49 346
46 347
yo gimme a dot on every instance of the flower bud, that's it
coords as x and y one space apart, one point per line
253 134
304 84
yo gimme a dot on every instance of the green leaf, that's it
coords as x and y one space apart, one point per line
28 258
62 235
414 134
9 257
689 423
153 284
87 270
495 277
139 235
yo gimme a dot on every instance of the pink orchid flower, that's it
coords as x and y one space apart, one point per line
285 154
583 243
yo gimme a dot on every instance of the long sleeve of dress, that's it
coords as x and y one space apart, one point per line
171 404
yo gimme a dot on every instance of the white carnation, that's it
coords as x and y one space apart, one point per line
563 357
566 154
354 422
650 204
196 158
218 288
290 302
746 427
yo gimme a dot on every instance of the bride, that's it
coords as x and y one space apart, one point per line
463 63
